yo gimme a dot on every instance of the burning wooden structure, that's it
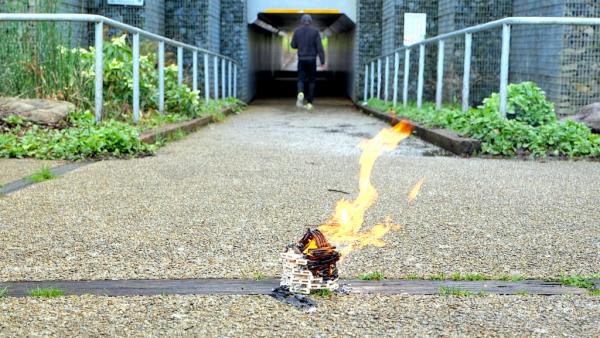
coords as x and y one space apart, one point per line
310 264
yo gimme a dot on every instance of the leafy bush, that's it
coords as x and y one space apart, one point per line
84 139
526 103
533 133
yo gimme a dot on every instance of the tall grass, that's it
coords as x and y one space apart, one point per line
32 61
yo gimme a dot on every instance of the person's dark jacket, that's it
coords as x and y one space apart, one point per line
308 42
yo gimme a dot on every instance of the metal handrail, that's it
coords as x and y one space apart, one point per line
229 87
506 25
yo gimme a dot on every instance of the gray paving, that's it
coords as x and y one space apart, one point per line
262 316
224 201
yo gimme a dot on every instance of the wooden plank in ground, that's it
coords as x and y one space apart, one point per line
251 287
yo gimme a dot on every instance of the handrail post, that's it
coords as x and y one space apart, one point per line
206 79
235 75
440 76
366 91
372 79
386 79
421 79
467 72
161 77
180 65
396 66
195 71
136 78
406 77
378 78
223 88
229 80
216 77
99 69
504 65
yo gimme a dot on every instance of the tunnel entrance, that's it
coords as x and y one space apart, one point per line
273 63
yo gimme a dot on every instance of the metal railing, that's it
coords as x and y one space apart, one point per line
506 25
229 86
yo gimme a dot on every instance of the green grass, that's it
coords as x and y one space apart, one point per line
522 293
372 276
454 291
322 293
3 292
511 278
41 175
468 277
258 276
595 292
577 281
46 292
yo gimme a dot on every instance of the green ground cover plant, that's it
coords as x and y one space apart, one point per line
454 291
3 292
376 275
530 129
41 175
46 292
322 293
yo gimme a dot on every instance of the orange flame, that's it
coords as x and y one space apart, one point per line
343 228
415 190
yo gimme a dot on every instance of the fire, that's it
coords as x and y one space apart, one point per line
344 227
415 190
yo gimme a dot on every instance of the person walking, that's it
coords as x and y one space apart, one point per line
307 40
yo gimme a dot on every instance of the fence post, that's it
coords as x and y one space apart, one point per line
378 78
195 70
467 71
99 69
366 92
439 90
235 75
386 79
161 77
406 76
206 79
396 65
223 89
504 64
216 77
180 65
136 77
421 76
372 79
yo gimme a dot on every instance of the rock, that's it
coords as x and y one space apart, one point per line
46 112
590 116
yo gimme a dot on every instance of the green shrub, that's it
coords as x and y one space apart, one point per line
526 103
532 133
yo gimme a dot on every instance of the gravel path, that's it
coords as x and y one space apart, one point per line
258 316
14 169
224 201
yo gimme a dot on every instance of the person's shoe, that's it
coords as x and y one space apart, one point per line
300 100
309 107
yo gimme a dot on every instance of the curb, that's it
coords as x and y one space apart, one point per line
442 138
209 286
191 126
57 171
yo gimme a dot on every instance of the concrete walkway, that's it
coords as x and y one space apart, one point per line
224 202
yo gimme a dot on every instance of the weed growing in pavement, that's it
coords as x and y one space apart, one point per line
439 276
46 292
454 291
322 293
577 281
258 276
3 292
522 293
595 292
468 277
372 276
41 175
511 278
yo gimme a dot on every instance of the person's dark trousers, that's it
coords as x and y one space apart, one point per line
307 73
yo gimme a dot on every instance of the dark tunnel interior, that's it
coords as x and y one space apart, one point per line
273 63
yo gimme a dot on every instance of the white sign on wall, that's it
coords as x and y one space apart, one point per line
126 2
415 27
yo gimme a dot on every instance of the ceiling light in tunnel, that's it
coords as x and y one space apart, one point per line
266 26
